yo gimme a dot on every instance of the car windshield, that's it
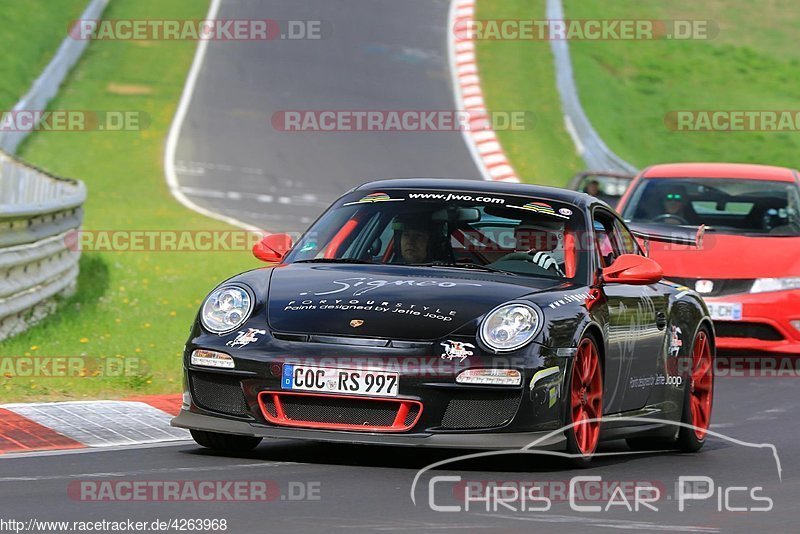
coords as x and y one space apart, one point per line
752 207
464 230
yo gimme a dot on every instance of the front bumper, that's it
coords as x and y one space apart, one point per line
430 409
765 325
504 440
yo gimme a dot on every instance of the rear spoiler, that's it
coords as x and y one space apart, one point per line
679 235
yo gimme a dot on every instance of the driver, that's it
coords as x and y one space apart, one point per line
675 207
415 241
592 188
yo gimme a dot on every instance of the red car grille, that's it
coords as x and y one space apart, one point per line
339 412
741 329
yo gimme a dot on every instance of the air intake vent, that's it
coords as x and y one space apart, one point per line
337 412
741 329
481 409
218 393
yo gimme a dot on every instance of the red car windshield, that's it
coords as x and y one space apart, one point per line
757 207
516 235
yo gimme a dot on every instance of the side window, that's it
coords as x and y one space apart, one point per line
626 241
607 246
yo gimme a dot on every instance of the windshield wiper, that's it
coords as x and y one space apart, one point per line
337 260
474 266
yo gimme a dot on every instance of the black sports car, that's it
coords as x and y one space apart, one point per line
452 313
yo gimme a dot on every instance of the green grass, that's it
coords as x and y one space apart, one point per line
32 32
519 76
628 87
131 304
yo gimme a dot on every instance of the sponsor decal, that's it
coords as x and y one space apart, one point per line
578 297
566 212
377 306
447 197
361 285
374 197
355 323
655 380
675 341
541 207
456 349
245 338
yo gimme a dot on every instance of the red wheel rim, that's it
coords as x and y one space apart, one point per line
587 397
702 383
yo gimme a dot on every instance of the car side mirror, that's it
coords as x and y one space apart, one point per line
633 269
272 248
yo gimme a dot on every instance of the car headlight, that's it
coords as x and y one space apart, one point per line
762 285
510 326
225 309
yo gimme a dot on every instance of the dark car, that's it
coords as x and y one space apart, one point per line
452 313
608 186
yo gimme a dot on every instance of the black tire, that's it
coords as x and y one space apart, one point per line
225 443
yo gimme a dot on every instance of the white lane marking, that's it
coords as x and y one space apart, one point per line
175 129
305 199
194 171
142 472
195 191
200 167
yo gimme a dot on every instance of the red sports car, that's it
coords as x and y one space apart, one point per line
748 270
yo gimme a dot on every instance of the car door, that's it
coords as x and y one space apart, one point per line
636 322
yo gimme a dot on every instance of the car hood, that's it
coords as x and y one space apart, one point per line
393 302
730 256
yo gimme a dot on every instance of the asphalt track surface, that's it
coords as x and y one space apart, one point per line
367 488
373 55
382 55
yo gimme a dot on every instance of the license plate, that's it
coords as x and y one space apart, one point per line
721 311
347 381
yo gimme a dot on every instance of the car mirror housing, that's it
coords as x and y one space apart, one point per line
634 270
272 248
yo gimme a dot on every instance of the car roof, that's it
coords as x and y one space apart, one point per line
721 170
483 186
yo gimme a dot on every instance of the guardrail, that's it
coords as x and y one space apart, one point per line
587 141
38 213
46 85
